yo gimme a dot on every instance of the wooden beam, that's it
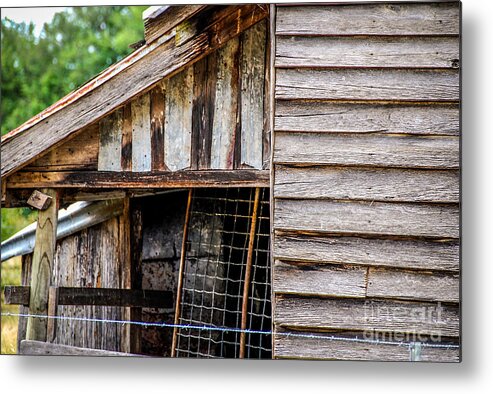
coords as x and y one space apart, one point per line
136 74
136 180
16 295
42 265
38 348
39 200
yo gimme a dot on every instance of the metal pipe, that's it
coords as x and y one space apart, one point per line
76 217
180 274
248 270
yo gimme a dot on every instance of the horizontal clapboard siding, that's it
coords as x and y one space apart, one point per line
366 179
380 315
416 52
373 84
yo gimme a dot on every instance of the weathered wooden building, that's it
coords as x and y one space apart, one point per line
264 181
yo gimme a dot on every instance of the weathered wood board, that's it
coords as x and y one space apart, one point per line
141 134
110 144
37 348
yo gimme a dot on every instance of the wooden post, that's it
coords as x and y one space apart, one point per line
248 270
42 264
180 274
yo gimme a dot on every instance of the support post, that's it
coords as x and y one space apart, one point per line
248 271
180 274
42 266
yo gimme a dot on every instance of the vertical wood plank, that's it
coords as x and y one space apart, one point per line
203 111
226 106
127 138
25 281
268 102
141 134
110 142
252 89
136 270
157 127
42 265
178 123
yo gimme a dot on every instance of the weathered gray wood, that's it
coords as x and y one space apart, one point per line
42 266
143 69
370 84
410 254
132 180
321 281
413 285
178 120
110 142
381 184
292 347
38 348
370 19
226 106
79 152
366 150
141 134
25 281
252 89
39 200
400 219
412 52
367 118
126 162
430 319
16 295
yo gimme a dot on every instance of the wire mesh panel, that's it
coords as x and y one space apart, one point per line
214 275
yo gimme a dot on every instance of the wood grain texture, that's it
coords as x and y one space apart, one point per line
413 285
42 267
370 19
16 295
147 180
79 152
141 134
291 347
110 142
157 103
367 118
178 123
409 52
38 348
398 219
409 254
381 184
126 162
371 84
163 61
252 63
26 262
367 150
309 314
319 281
226 106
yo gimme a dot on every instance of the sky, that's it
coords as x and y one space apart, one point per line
38 15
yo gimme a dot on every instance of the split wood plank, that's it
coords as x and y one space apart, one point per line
370 84
79 152
130 180
409 254
370 19
26 261
367 150
430 319
126 162
413 285
397 219
205 76
373 184
367 118
225 125
158 104
178 120
141 134
42 266
319 280
144 68
110 142
252 63
38 348
386 52
292 347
